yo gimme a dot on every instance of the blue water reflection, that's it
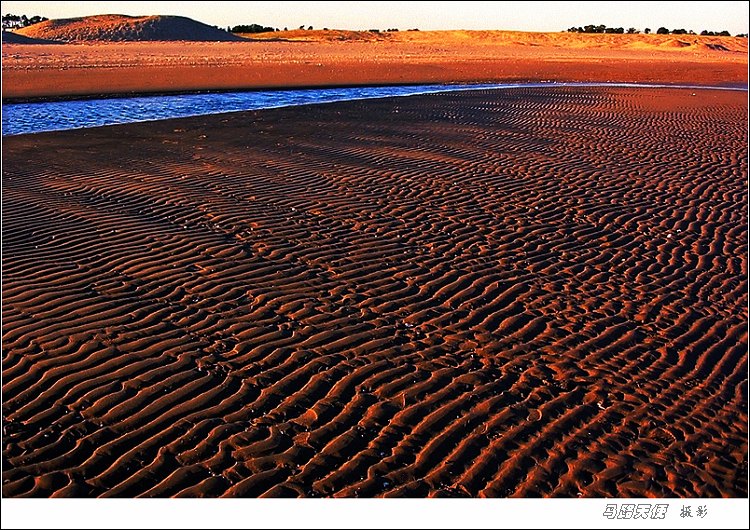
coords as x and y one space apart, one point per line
22 118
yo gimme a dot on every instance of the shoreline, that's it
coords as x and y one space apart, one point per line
463 88
468 85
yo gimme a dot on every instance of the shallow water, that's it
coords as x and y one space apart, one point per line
23 118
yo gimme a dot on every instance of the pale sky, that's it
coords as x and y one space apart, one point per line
524 16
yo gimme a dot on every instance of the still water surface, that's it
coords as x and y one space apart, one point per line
22 118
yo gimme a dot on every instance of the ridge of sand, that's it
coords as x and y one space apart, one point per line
511 38
116 28
327 35
521 293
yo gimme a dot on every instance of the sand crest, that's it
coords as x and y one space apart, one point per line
114 28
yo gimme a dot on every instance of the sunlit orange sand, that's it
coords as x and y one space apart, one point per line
324 58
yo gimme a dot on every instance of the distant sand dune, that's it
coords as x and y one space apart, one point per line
319 36
115 28
511 38
674 43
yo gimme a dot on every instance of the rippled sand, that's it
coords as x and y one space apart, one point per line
536 292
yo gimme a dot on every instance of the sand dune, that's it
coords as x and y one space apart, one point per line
511 38
521 293
115 28
334 35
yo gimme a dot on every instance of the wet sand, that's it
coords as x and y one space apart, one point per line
318 58
534 292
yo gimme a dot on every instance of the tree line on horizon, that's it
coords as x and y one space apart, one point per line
601 28
251 28
258 28
11 21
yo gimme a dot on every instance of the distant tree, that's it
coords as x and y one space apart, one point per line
601 28
662 31
632 31
251 28
286 29
11 21
413 29
590 28
742 35
374 30
715 33
680 31
647 31
302 26
310 28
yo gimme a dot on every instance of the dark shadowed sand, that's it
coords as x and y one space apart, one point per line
534 292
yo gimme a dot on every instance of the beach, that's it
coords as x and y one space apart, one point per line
531 292
337 58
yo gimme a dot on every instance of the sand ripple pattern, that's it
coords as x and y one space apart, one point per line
535 292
